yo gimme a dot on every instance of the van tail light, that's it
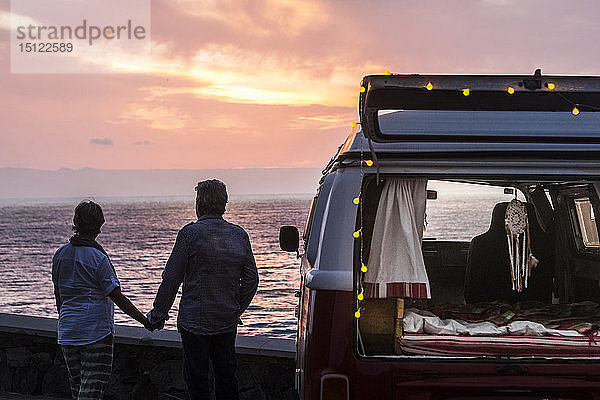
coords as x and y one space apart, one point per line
335 387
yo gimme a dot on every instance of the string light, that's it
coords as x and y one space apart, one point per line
465 92
575 110
551 86
511 90
362 89
363 268
429 86
357 233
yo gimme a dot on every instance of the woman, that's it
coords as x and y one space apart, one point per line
85 287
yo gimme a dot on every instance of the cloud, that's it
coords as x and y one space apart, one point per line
6 18
103 142
498 2
156 117
143 142
263 19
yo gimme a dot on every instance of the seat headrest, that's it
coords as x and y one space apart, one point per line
498 216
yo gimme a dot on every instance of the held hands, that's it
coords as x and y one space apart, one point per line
148 325
157 326
153 326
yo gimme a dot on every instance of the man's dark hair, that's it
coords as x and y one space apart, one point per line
88 218
211 196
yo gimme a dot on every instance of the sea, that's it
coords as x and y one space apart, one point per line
139 234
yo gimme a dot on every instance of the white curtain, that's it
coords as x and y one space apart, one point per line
395 266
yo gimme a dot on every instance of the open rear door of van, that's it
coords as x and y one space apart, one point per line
481 108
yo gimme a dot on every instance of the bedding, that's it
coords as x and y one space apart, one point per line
524 346
501 329
500 319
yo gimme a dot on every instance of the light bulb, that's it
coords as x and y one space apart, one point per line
575 111
551 86
466 91
387 73
511 90
353 124
429 86
360 297
356 200
363 268
362 89
356 234
369 163
357 314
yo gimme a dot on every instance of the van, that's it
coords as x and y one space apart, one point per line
451 250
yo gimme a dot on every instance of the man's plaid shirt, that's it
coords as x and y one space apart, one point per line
213 258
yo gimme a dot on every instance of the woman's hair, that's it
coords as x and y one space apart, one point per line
88 218
211 196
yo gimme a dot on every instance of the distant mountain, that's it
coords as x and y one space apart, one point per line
88 182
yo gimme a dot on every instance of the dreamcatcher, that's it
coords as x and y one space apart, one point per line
522 261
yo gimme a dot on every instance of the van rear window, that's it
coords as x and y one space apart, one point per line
587 222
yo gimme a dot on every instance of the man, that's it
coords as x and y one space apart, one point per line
85 286
213 258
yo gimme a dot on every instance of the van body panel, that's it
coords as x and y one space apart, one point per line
327 350
536 148
334 252
329 280
452 147
316 228
467 164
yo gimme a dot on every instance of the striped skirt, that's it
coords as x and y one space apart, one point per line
89 368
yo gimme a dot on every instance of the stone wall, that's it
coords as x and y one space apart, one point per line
146 365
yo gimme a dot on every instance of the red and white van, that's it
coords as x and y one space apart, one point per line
452 248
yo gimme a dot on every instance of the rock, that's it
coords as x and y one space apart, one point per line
127 369
18 356
41 361
252 394
59 359
245 378
168 375
56 382
116 389
5 380
26 380
144 392
258 371
290 394
169 396
146 364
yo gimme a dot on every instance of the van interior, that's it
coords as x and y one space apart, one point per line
511 269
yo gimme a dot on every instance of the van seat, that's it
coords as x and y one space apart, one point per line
487 276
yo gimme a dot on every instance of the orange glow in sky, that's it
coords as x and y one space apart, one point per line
241 84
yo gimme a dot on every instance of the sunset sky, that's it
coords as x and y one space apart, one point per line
244 84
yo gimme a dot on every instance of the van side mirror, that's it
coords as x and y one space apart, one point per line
289 238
